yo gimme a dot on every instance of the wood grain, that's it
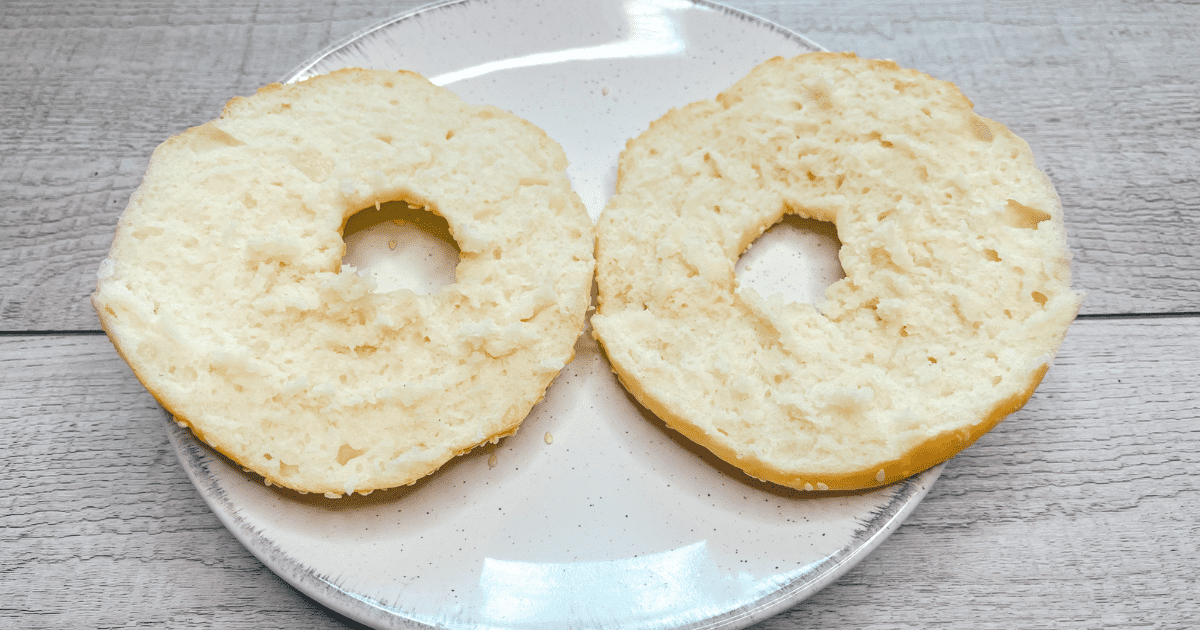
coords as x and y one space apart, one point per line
99 526
1107 94
87 90
1080 511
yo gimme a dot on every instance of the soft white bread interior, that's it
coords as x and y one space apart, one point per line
956 296
225 291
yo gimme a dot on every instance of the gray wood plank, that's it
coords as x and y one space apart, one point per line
99 526
87 90
1080 511
1108 95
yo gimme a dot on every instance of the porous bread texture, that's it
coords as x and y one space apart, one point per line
956 295
225 291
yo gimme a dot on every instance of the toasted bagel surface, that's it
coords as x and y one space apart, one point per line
956 293
225 291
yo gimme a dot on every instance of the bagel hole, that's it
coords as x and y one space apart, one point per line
796 257
401 246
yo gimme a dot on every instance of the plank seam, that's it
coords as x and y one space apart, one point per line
1176 315
48 333
1085 316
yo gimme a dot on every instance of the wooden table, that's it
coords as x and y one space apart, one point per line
1081 511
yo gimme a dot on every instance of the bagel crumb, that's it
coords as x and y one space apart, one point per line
956 293
225 290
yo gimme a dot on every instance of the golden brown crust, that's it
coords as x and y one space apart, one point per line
923 456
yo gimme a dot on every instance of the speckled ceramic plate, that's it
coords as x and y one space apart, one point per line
594 514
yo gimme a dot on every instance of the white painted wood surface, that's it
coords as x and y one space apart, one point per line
1080 511
1107 94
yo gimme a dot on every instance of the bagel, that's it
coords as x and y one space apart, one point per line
226 293
956 292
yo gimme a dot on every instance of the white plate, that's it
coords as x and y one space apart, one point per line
593 514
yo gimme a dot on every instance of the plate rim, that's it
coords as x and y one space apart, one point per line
299 71
196 457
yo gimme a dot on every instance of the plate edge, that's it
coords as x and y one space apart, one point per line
302 71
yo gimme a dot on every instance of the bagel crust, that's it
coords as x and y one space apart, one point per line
225 290
957 288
